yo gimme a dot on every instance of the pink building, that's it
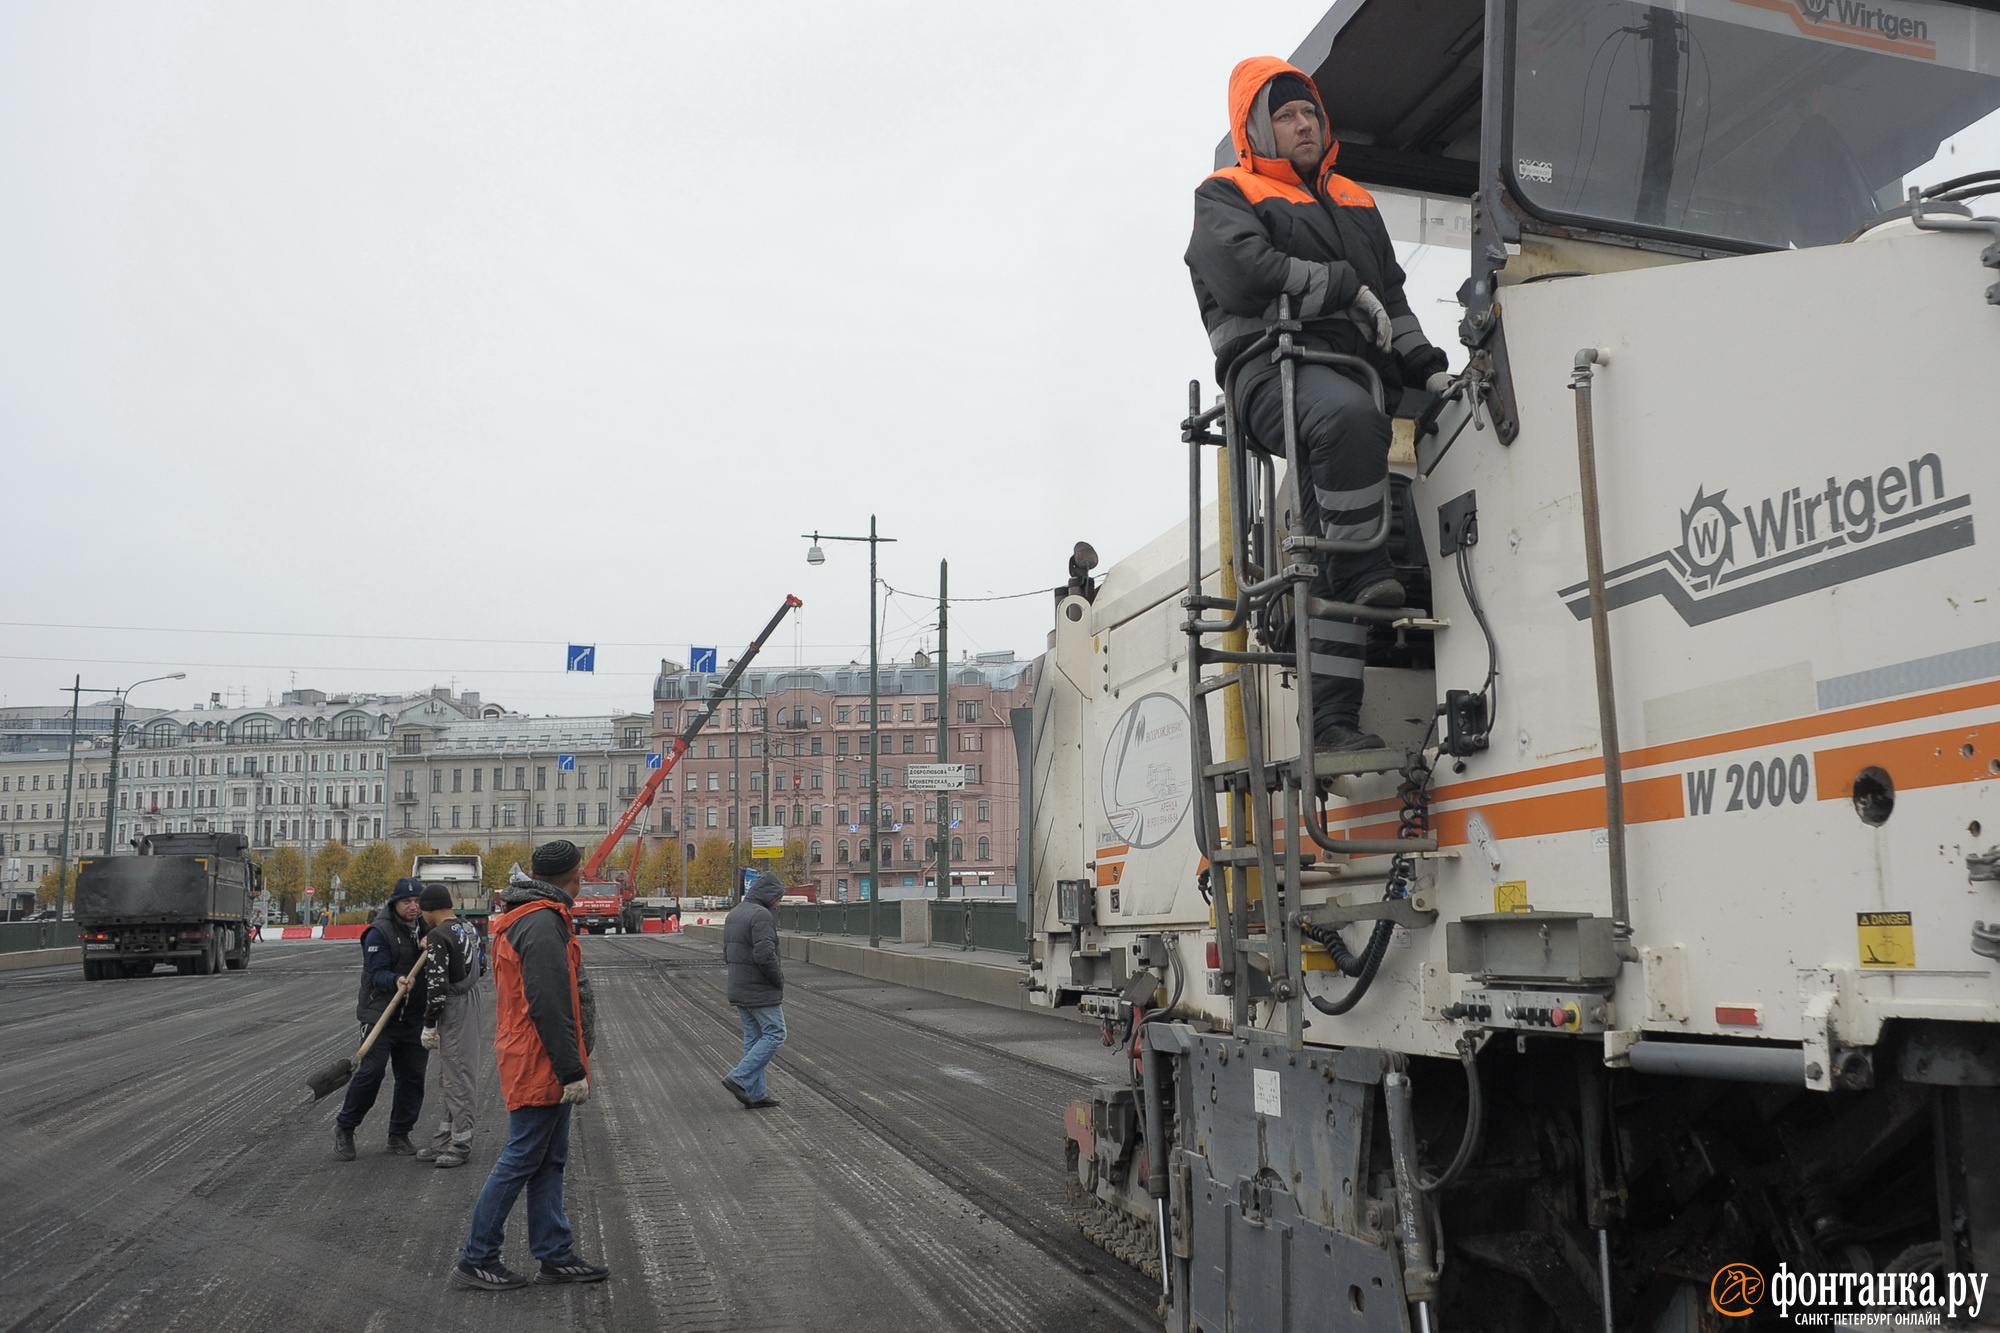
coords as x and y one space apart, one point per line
808 728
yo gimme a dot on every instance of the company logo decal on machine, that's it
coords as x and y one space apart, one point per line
1147 775
1735 556
1874 27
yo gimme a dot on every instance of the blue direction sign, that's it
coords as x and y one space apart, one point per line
702 660
566 763
653 761
582 657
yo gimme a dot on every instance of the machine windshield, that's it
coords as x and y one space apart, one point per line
1751 122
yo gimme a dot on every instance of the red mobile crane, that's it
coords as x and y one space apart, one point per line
603 905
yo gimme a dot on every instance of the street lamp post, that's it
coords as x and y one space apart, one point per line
117 739
815 556
76 692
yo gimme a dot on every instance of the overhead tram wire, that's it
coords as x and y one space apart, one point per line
323 634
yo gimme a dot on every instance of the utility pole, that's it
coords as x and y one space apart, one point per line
943 742
874 754
815 556
69 790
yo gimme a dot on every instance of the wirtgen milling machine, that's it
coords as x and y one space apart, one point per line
1439 1036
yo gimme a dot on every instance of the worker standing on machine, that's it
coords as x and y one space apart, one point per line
1281 223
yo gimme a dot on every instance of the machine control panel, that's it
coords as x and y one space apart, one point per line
1532 1010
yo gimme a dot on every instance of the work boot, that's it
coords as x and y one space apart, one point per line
571 1269
456 1155
761 1103
1341 738
1382 592
736 1090
400 1145
343 1143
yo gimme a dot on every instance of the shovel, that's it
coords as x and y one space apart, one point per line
335 1076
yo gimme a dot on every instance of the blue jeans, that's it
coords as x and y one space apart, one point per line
763 1034
537 1149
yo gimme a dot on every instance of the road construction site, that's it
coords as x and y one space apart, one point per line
167 1168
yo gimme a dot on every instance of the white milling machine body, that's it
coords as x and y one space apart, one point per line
1599 1056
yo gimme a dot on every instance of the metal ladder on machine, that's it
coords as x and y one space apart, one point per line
1250 805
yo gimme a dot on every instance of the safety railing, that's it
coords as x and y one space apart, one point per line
840 919
21 936
975 923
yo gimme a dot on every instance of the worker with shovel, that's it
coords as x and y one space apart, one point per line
542 1037
454 1021
390 952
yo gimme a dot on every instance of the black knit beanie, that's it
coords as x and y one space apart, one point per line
1287 87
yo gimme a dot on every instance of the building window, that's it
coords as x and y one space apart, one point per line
541 781
541 815
840 779
437 818
815 814
840 852
985 811
930 712
520 778
603 814
968 740
819 781
562 814
437 780
813 853
909 849
458 779
455 816
958 849
477 775
713 815
986 849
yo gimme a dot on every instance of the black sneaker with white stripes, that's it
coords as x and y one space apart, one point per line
571 1270
495 1276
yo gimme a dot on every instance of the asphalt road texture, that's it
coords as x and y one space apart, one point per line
165 1168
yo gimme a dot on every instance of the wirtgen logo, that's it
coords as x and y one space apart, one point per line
1856 23
1735 556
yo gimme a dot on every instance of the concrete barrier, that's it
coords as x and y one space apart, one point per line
968 975
39 958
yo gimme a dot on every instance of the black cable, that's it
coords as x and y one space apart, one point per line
1489 689
1475 1120
1361 967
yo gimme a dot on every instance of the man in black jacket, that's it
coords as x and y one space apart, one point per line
756 986
390 948
1281 223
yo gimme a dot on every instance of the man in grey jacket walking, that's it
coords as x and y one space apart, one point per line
756 986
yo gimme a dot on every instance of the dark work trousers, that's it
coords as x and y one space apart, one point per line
400 1045
1344 441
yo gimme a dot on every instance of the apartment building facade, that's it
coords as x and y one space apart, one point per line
514 778
791 747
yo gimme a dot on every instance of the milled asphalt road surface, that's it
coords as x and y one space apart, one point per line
164 1167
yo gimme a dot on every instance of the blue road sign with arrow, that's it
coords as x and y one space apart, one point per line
582 657
702 660
566 763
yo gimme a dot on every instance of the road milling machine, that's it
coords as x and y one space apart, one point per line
1651 972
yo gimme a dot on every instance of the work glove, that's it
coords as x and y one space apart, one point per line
1423 365
430 1039
577 1093
1368 308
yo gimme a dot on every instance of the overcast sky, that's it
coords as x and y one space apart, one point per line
453 333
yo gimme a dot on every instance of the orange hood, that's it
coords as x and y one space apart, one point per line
1245 82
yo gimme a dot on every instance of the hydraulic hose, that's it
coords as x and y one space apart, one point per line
1475 1120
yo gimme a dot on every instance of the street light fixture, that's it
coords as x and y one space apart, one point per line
76 692
816 556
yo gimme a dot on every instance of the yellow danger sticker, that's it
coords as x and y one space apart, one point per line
1511 896
1886 939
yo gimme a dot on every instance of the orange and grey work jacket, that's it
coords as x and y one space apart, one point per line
1260 232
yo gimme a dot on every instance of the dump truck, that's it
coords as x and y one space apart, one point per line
465 877
186 899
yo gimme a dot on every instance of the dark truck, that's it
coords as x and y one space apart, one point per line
185 898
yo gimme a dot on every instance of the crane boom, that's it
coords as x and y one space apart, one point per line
595 864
